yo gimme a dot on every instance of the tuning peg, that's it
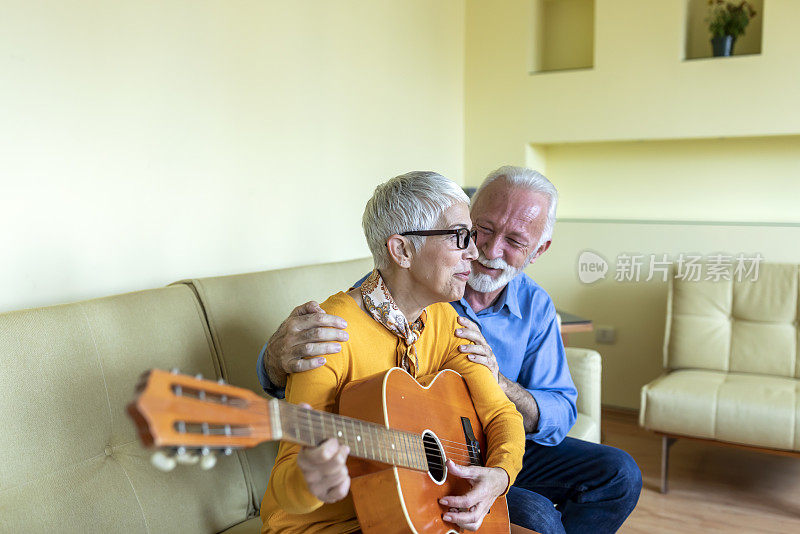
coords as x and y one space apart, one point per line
199 376
163 461
183 457
175 371
207 459
221 381
228 451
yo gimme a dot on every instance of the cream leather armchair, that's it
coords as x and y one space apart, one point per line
585 366
731 365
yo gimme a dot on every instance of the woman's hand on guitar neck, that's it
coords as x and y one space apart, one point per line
325 470
468 510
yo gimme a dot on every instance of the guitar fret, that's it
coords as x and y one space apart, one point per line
352 436
365 440
360 438
405 450
310 428
372 442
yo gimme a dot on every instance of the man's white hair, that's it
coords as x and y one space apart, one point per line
411 201
532 180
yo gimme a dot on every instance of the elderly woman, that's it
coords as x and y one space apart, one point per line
418 229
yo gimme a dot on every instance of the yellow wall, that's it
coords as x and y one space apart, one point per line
143 142
640 86
648 150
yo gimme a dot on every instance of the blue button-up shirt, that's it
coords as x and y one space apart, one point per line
522 330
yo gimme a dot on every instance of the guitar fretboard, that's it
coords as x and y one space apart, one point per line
366 440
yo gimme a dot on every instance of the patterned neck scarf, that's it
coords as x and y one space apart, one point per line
380 304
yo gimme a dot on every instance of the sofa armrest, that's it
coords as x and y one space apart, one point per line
585 366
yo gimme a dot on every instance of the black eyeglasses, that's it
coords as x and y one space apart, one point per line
463 235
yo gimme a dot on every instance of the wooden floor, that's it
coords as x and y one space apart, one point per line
711 488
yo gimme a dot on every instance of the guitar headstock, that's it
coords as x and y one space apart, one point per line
188 413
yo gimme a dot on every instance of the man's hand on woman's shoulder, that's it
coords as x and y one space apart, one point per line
302 341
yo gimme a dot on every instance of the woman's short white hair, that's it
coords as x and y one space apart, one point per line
532 180
411 201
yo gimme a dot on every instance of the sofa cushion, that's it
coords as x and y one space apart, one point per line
750 409
244 310
736 323
71 458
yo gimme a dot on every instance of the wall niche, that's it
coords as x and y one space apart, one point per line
698 36
563 35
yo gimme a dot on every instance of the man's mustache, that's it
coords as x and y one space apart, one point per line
497 263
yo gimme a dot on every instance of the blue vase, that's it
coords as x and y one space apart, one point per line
722 45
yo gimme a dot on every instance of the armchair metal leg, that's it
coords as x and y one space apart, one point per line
666 443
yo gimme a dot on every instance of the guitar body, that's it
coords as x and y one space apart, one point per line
398 449
390 499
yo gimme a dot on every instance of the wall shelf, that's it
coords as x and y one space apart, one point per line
562 36
698 37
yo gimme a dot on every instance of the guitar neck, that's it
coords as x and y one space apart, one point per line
366 440
174 410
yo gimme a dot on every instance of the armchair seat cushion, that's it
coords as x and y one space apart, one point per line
745 408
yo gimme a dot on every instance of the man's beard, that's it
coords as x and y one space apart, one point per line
483 283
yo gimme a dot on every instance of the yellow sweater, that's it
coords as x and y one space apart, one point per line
288 506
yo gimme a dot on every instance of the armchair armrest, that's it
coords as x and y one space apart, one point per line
585 366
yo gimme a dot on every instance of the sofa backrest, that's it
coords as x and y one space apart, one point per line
244 310
737 323
71 459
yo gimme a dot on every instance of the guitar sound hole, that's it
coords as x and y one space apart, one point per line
435 456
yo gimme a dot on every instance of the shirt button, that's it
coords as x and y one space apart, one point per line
108 450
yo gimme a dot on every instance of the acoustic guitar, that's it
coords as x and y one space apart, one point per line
400 436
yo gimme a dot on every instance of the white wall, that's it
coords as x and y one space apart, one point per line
147 141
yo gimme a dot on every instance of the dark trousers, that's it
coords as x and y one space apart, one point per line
593 487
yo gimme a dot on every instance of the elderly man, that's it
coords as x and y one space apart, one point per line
512 322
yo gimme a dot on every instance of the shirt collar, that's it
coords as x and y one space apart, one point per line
509 298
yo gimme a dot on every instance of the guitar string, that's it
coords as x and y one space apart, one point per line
451 453
457 444
246 406
312 430
237 432
458 459
294 414
295 410
457 448
309 426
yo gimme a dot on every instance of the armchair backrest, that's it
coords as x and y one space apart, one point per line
737 323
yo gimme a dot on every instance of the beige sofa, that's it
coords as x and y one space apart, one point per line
732 370
71 459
